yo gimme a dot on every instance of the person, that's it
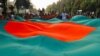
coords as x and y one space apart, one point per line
1 17
92 15
63 15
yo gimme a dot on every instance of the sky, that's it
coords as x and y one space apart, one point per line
42 3
11 0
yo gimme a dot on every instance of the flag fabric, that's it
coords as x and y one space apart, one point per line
79 37
65 31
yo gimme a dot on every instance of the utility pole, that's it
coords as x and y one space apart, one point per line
4 3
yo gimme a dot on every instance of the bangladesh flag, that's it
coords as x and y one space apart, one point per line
78 37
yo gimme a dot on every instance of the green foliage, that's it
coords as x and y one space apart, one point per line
24 3
72 6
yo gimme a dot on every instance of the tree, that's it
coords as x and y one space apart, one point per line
22 3
71 6
3 5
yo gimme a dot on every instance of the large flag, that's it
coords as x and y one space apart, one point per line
65 31
79 37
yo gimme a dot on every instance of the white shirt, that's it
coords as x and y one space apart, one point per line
64 16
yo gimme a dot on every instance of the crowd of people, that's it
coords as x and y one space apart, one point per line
42 15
